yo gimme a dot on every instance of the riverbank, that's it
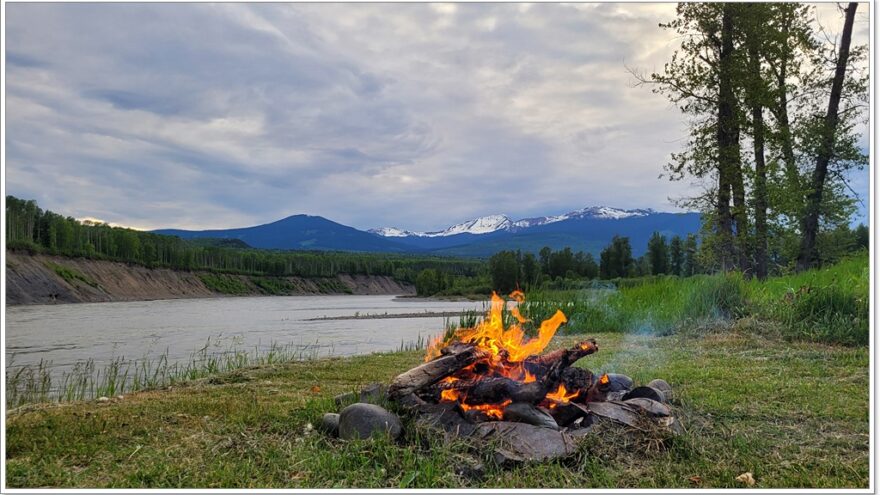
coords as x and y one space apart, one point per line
41 279
794 414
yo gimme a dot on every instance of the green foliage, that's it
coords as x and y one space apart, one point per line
505 272
717 296
676 256
33 230
274 285
823 305
224 284
70 275
616 260
429 282
658 254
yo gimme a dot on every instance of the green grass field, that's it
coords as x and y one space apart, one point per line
795 414
771 378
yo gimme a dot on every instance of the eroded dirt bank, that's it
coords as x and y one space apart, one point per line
40 279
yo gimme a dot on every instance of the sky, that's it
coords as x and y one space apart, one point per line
416 116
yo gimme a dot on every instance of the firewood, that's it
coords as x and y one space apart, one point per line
432 372
554 363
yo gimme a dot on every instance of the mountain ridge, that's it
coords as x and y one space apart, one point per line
493 223
587 229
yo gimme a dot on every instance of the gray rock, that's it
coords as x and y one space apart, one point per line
373 393
663 387
617 411
521 442
329 424
619 383
649 406
345 398
362 420
446 417
526 413
646 392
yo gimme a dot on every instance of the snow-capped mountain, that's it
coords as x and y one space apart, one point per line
482 225
588 229
494 223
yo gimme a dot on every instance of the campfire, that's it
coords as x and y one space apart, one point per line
492 381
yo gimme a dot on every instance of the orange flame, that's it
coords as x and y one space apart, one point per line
604 379
491 336
495 411
560 396
505 350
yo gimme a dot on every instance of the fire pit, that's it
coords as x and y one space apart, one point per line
491 383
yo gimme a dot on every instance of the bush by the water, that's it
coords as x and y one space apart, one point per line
224 284
273 285
824 305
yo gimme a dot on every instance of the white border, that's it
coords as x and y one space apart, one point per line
872 210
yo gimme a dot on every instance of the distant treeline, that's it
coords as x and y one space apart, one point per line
30 228
685 257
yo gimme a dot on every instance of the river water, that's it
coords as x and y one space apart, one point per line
62 335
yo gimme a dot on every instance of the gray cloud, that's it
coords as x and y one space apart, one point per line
414 115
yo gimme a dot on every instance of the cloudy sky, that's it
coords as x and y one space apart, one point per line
411 115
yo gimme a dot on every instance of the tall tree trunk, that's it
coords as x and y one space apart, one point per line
740 211
810 223
727 140
760 169
781 114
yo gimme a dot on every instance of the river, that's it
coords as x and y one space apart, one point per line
62 335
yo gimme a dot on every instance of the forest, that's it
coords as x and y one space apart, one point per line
32 229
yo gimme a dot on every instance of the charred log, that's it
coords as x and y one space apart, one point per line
432 372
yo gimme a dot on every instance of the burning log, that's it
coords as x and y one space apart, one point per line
497 389
561 358
432 372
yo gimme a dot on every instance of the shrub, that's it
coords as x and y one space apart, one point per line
224 284
274 286
716 296
829 314
70 275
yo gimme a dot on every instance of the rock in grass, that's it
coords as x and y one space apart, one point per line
646 392
519 442
651 407
619 383
663 387
329 424
361 420
373 393
103 399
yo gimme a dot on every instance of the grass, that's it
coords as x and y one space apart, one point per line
34 384
770 378
224 284
274 286
826 305
70 275
795 414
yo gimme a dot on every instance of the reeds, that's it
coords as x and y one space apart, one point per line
87 380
